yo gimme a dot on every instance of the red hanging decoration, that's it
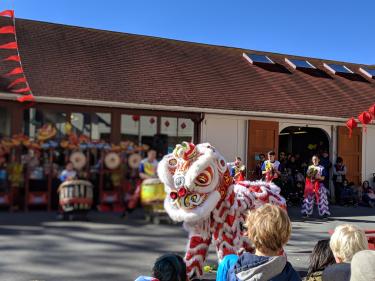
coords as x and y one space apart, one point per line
17 81
136 118
365 118
7 30
371 110
152 120
9 46
13 58
166 123
26 98
183 126
23 90
17 70
9 13
351 124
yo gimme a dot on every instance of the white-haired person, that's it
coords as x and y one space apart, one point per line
363 266
345 242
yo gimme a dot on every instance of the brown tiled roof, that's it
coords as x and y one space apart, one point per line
80 63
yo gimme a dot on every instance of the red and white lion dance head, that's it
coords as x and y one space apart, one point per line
201 193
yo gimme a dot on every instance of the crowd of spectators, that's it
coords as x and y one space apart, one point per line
344 257
293 168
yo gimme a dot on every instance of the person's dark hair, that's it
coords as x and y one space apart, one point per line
339 160
262 154
271 152
321 257
238 158
169 267
368 184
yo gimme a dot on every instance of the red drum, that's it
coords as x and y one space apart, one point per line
76 195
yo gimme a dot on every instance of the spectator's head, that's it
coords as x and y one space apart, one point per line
347 240
238 161
262 157
325 154
315 160
271 155
339 161
362 266
365 184
292 158
151 155
69 166
321 257
269 228
169 267
282 155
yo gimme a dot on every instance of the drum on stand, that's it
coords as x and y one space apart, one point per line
76 196
152 200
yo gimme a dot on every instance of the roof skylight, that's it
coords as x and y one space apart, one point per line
369 72
337 68
299 63
255 58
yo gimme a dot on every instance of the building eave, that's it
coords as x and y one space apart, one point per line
99 103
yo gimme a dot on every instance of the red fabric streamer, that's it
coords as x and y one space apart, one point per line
371 110
17 70
11 45
9 13
29 97
7 30
13 58
365 118
311 188
351 124
17 81
23 90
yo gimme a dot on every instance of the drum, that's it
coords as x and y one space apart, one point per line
134 160
76 195
112 161
152 191
78 160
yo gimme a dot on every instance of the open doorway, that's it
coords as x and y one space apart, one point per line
297 145
303 142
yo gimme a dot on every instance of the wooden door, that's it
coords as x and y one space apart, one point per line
263 136
350 149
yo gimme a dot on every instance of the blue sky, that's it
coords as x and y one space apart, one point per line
331 29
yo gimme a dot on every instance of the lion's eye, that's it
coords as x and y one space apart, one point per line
204 178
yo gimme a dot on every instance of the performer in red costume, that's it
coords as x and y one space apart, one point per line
315 191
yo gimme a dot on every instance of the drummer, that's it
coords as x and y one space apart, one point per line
148 166
69 173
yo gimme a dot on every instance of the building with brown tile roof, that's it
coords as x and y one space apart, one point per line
242 108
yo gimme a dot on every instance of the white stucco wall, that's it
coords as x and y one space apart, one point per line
368 154
227 134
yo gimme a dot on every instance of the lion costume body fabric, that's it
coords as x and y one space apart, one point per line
201 193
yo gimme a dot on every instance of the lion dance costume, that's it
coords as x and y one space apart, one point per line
201 193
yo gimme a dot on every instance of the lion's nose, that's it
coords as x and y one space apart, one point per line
181 192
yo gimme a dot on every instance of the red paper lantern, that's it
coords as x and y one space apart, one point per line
166 123
183 126
365 118
371 110
152 120
351 124
136 118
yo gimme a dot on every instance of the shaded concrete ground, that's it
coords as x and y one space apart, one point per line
35 246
